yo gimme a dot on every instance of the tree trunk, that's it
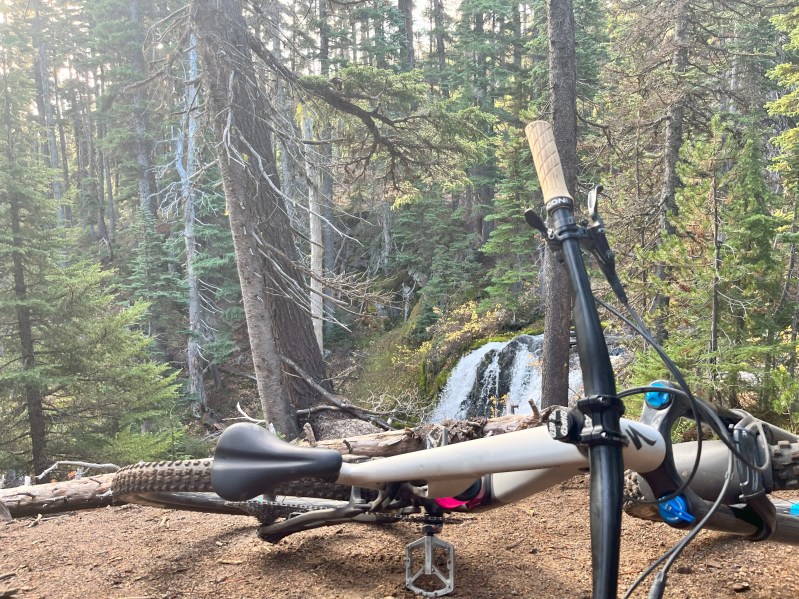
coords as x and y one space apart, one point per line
108 199
292 169
324 38
274 295
407 56
148 200
520 100
45 104
714 302
95 210
103 180
187 172
667 205
315 239
557 302
379 44
439 32
326 178
33 391
328 232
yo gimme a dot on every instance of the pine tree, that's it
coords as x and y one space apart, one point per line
74 360
729 271
514 278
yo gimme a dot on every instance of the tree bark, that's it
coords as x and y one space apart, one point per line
379 44
33 391
148 200
440 53
557 301
714 302
667 204
187 172
315 239
407 56
326 178
80 494
45 104
274 294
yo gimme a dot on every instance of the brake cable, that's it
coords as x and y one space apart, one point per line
694 469
698 409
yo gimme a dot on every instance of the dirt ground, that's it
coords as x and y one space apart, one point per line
536 548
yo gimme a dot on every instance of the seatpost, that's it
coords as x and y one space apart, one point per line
601 408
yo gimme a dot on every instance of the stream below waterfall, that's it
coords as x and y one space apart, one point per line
499 378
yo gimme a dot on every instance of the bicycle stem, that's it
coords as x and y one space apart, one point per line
601 407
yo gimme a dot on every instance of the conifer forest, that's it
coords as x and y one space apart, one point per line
307 211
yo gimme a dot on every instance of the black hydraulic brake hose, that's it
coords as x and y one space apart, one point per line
675 551
713 413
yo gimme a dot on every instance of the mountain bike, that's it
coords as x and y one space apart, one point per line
721 483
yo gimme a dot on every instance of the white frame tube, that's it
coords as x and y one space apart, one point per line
529 449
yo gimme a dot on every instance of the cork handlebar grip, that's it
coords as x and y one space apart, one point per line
547 161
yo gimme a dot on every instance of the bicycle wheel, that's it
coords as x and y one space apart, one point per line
186 485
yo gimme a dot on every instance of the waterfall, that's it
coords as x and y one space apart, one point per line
460 382
498 378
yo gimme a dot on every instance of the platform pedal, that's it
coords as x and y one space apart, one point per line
432 548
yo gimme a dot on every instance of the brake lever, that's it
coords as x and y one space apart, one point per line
535 222
599 246
593 208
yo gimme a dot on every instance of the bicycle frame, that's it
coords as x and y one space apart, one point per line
451 469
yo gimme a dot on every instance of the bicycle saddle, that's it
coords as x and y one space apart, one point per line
250 461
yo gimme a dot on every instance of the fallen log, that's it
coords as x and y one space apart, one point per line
389 443
78 494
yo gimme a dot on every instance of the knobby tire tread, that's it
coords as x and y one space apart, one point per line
785 464
186 485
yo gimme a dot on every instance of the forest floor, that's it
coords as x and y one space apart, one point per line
535 548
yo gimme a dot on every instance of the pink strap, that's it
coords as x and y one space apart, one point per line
449 503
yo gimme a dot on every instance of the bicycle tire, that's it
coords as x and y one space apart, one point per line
785 465
186 485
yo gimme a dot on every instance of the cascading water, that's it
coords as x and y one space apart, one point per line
460 382
498 378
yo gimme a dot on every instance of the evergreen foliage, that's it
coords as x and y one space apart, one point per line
513 280
726 311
